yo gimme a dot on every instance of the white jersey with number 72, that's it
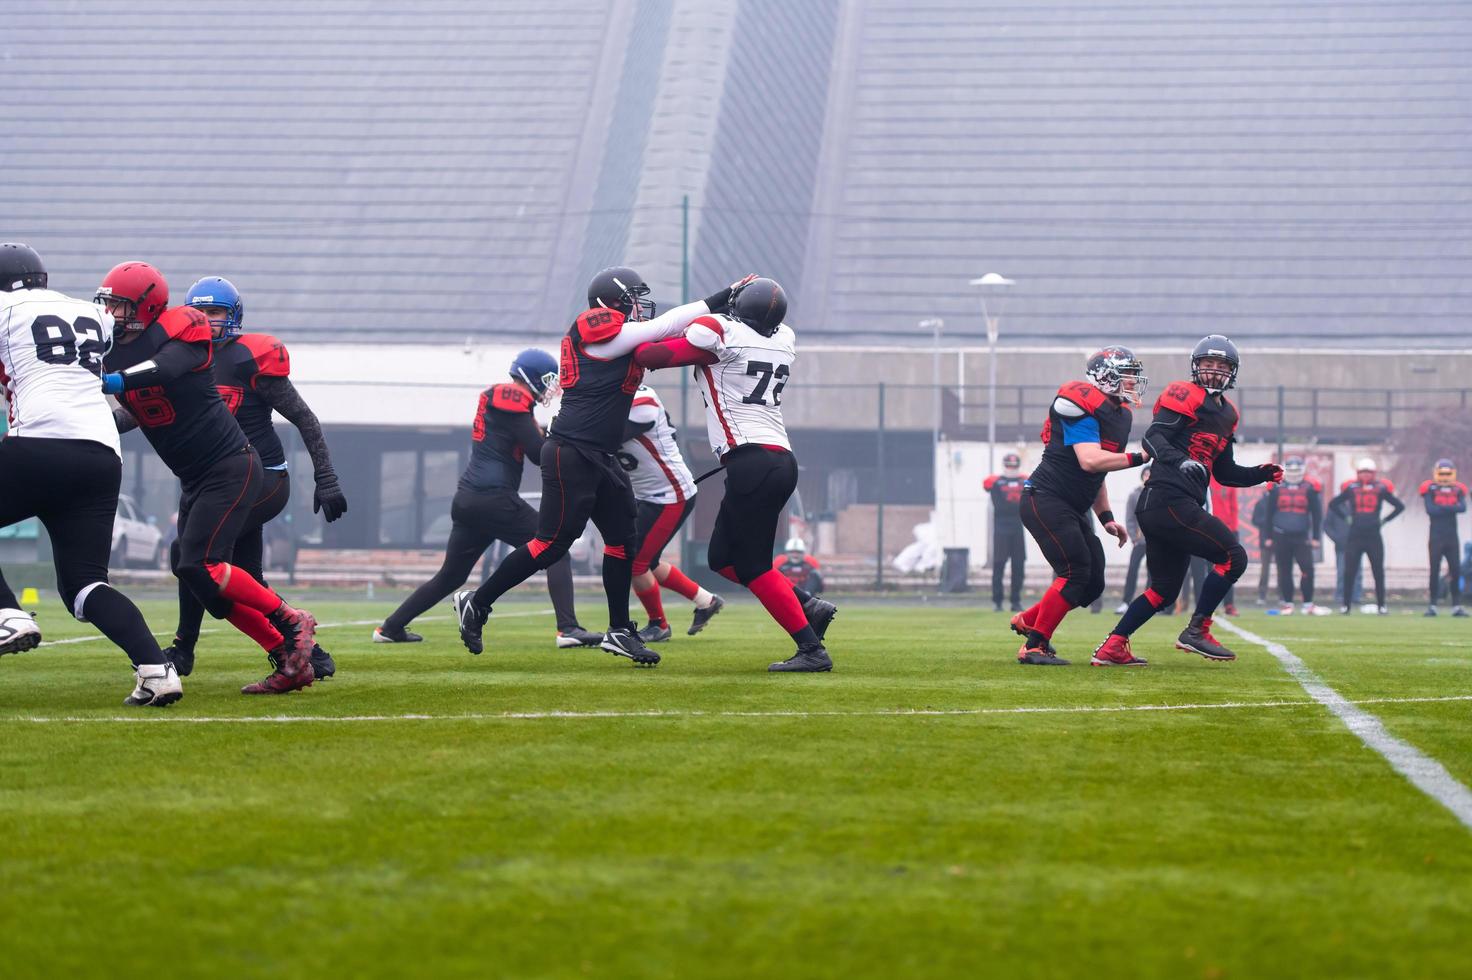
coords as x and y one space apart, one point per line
743 389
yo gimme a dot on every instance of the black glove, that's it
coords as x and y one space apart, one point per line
1195 471
1271 473
717 301
328 497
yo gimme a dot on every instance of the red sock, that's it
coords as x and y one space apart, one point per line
1052 608
678 581
254 625
650 598
238 585
775 594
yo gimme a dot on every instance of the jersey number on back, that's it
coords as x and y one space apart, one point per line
764 372
60 342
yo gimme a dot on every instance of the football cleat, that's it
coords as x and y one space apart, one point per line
383 635
1196 638
1229 610
1459 613
1382 611
283 679
1039 656
1022 628
703 616
809 659
656 633
1430 611
577 637
299 629
626 643
820 613
1115 652
1286 609
157 686
323 666
472 620
18 631
181 655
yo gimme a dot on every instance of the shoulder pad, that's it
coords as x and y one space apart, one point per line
1425 486
1462 487
1236 413
1387 486
1181 397
712 323
1084 395
988 483
187 324
596 326
1346 485
510 398
1315 484
268 354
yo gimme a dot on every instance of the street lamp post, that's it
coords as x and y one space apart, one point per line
934 325
993 286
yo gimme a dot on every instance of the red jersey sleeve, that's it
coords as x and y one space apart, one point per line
1318 487
1387 486
988 483
1426 486
268 355
1182 398
596 326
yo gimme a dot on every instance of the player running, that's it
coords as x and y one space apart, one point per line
1359 501
60 461
581 477
1083 439
1445 498
253 373
1295 523
745 359
488 506
1008 541
1190 440
664 491
159 366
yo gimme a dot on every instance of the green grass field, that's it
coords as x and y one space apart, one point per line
534 812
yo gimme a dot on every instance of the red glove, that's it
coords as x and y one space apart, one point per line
1271 473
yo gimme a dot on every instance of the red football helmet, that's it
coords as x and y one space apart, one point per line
141 285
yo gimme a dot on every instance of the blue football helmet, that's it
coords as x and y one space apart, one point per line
219 291
538 370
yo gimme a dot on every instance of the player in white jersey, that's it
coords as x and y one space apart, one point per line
664 492
744 360
60 462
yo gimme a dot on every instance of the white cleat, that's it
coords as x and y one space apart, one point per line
18 631
1309 609
158 685
1286 609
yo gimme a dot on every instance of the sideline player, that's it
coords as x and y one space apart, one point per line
159 367
487 505
60 461
1084 437
1359 501
1009 544
664 492
798 567
744 360
1190 440
1445 498
253 373
1295 523
581 478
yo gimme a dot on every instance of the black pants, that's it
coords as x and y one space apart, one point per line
71 485
1290 550
578 485
1176 530
1067 540
479 518
1446 546
1132 576
1009 544
1365 544
214 511
759 482
250 550
1268 557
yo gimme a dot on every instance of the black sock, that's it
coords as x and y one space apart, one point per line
1036 640
514 570
805 637
803 595
120 621
559 587
1212 594
1137 615
191 616
618 578
7 597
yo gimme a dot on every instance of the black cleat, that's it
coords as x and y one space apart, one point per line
1430 611
810 659
1196 638
656 633
323 665
577 637
1459 613
181 655
382 634
472 620
820 613
1039 656
703 616
626 643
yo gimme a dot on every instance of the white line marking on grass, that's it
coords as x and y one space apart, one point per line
156 719
1424 772
320 626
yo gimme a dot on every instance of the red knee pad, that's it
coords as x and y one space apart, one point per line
1154 598
615 551
536 546
219 571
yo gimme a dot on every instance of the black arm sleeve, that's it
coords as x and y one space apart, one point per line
282 395
632 428
1396 505
124 419
1316 511
1337 504
174 359
1229 474
523 428
1157 438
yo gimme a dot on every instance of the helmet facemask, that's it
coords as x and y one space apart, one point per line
1293 469
1214 379
1117 371
1445 473
632 302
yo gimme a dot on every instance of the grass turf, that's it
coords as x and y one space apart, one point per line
750 824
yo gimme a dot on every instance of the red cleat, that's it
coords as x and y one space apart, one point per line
1020 626
1115 652
282 680
299 629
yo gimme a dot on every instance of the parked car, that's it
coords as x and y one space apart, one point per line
135 542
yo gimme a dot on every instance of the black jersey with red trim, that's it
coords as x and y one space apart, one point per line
596 393
1296 508
1361 503
502 436
1444 501
1006 494
1059 473
184 419
239 364
1191 423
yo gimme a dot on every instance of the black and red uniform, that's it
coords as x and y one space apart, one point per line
1361 503
1057 497
1295 519
1008 541
1444 501
805 573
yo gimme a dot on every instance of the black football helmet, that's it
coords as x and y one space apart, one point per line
760 304
1215 346
1011 461
621 288
20 268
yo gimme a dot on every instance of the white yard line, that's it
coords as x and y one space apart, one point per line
1424 772
320 626
156 718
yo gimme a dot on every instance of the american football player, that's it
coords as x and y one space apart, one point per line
1445 497
1008 541
1359 501
1295 523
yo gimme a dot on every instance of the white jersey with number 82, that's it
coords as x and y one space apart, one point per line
51 348
743 389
